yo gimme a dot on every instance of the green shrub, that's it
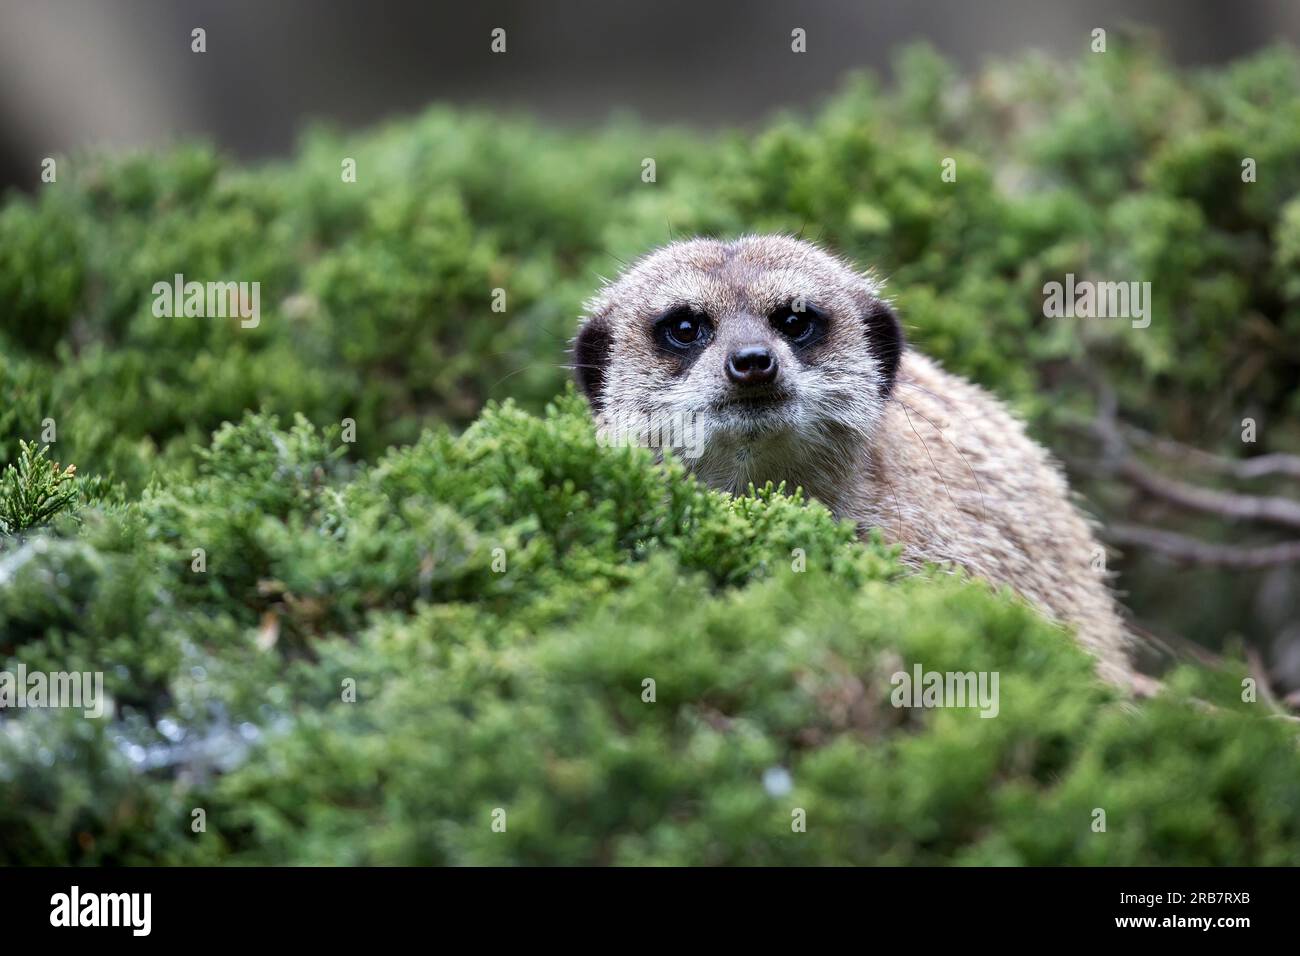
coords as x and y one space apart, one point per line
232 577
497 601
378 295
34 491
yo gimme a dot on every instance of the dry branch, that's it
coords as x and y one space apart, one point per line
1189 550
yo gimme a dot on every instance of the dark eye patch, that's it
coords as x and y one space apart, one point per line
802 324
683 330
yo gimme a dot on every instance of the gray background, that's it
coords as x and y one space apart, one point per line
119 73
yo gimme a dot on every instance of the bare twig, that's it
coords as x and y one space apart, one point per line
1118 459
1187 550
1225 504
1277 463
1174 646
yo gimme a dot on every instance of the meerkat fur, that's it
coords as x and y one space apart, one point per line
876 431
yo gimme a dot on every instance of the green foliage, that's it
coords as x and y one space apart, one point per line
34 490
520 686
228 575
377 295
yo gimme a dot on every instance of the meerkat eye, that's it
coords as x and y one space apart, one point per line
798 325
684 328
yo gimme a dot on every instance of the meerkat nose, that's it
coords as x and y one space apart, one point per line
751 365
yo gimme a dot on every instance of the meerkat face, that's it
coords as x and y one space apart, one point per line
760 340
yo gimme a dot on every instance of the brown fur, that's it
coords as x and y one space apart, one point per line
878 433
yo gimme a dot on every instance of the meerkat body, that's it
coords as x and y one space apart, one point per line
983 495
790 366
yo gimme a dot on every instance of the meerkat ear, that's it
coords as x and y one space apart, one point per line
591 350
885 335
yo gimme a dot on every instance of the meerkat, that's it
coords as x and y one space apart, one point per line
790 366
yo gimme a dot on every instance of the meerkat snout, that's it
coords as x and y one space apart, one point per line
752 365
779 362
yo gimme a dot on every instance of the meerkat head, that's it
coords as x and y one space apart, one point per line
759 341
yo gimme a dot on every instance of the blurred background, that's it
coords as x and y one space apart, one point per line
94 73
